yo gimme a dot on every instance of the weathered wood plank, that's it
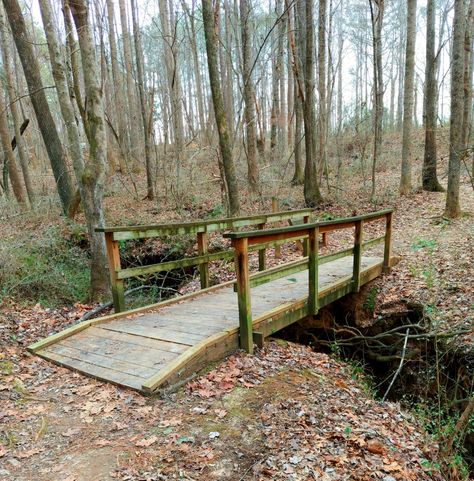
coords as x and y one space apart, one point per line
159 333
94 371
100 360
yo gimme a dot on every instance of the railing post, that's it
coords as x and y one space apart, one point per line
243 294
203 242
313 260
387 252
276 208
113 255
305 241
358 234
262 254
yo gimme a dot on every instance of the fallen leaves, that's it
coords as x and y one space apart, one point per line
146 442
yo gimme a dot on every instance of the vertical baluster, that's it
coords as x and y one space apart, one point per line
203 242
313 259
113 255
387 253
276 208
358 234
243 294
305 241
262 253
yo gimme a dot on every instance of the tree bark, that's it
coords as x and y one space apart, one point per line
430 161
219 109
453 205
249 95
312 194
93 173
28 58
405 179
144 107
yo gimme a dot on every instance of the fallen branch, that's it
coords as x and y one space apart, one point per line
397 372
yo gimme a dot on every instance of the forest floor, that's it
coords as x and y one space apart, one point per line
285 413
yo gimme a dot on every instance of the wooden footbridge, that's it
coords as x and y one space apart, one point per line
163 344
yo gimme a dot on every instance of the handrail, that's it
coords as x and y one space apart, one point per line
210 225
201 229
244 241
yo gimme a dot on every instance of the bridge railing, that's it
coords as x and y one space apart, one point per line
201 229
243 242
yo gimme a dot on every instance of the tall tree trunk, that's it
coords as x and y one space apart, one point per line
312 195
9 77
468 70
8 157
249 95
56 152
94 170
377 12
405 179
322 123
134 143
453 205
143 102
219 109
117 87
430 109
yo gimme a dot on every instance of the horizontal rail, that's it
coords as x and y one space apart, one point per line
243 242
213 225
192 261
259 278
301 230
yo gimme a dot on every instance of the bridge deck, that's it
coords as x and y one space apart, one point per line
149 348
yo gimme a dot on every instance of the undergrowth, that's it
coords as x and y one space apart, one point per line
50 268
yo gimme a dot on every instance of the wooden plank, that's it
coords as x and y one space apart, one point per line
202 243
192 228
161 334
276 208
100 360
243 294
313 271
97 372
132 340
170 324
113 256
325 226
119 350
358 236
150 308
387 253
262 254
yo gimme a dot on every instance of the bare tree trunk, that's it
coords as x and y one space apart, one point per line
134 142
56 153
429 174
20 143
143 102
322 123
219 109
8 157
377 12
453 205
312 194
94 170
468 70
405 179
249 95
117 87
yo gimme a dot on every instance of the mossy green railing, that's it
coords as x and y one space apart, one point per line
201 230
244 242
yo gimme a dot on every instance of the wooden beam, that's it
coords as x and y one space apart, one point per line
313 280
243 294
262 254
387 253
113 255
358 235
203 242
